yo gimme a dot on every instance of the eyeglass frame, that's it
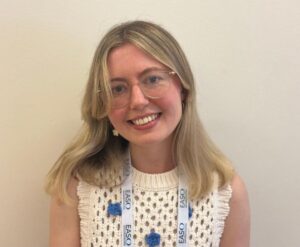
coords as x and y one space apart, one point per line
169 72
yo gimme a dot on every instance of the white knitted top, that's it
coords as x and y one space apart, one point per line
155 209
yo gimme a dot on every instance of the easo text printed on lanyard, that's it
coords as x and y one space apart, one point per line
127 211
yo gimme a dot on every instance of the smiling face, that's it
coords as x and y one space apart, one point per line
144 120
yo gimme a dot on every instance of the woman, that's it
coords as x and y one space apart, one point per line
142 171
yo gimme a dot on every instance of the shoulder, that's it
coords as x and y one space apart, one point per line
64 220
237 225
239 191
72 188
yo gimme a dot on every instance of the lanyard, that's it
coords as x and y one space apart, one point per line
127 215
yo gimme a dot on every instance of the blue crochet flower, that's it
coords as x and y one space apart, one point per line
152 239
114 209
190 211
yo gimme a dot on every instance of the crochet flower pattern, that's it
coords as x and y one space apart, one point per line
114 209
152 239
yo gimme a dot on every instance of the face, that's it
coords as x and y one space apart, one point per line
143 121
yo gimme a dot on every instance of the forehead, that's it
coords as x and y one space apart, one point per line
128 59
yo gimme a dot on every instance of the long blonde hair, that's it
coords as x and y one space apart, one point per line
95 155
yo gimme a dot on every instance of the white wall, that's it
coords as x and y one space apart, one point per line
245 56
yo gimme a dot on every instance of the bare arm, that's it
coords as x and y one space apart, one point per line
237 225
64 220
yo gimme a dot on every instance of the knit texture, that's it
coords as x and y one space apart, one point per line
155 210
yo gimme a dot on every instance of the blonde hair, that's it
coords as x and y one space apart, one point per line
95 154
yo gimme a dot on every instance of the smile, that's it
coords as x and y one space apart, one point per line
145 120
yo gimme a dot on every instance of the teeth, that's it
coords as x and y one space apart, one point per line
145 120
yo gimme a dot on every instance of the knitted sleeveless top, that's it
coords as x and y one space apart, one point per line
154 209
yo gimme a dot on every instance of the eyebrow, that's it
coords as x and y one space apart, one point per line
140 74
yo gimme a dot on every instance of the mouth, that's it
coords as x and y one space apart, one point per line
145 120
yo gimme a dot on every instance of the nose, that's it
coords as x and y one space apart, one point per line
137 98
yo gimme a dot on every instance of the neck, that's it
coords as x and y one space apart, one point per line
154 159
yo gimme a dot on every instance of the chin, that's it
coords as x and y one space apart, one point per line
150 141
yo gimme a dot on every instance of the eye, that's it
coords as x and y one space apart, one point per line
118 88
152 80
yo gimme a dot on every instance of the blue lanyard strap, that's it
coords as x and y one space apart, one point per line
127 216
127 211
183 214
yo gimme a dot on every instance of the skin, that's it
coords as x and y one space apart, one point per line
237 224
148 146
64 220
152 145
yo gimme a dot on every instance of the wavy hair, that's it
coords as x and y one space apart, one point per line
95 155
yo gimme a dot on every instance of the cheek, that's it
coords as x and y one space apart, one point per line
116 117
172 105
174 97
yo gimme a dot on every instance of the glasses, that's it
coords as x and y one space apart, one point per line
154 84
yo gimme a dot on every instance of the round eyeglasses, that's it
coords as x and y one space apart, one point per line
154 84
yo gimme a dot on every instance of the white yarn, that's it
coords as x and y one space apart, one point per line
155 208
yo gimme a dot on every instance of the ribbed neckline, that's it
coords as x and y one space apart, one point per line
160 181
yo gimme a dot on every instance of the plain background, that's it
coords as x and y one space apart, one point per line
245 58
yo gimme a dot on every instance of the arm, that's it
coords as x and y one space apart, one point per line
237 225
64 220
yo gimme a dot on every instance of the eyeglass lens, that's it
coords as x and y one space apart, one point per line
153 84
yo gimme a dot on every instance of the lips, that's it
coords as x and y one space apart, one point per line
145 120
